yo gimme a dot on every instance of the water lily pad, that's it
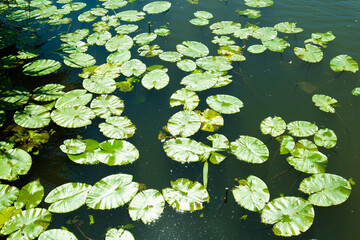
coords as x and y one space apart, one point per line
276 44
73 98
149 51
73 146
203 14
99 38
219 141
302 146
107 70
106 105
114 4
199 21
41 67
223 41
309 162
214 63
250 13
147 205
157 79
355 92
259 3
224 103
7 213
67 197
249 149
170 56
257 48
326 189
33 116
126 28
119 58
133 67
184 97
344 63
287 144
186 65
12 99
144 38
287 27
211 121
156 7
321 39
310 53
8 195
251 193
162 32
325 138
79 60
275 126
86 17
290 215
30 195
72 116
89 156
265 33
232 53
186 195
225 27
192 49
199 81
14 162
48 92
131 15
325 103
57 234
112 192
118 234
99 84
119 43
184 150
117 128
302 128
184 123
117 152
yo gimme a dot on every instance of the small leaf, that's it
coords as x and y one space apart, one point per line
344 63
184 123
275 126
325 103
30 195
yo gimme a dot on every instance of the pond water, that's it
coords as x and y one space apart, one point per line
267 84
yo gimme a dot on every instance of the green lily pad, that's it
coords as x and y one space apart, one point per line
321 39
86 17
344 63
106 105
131 15
3 117
57 234
89 156
112 192
162 32
302 128
287 144
184 150
7 213
12 99
309 162
144 38
67 197
126 28
310 53
276 44
275 126
326 189
186 65
41 67
214 63
325 103
199 81
356 91
99 38
186 195
156 7
184 97
117 128
79 60
225 27
250 13
257 48
302 146
192 49
119 43
203 14
98 11
119 58
259 3
211 121
117 152
73 146
251 193
199 21
73 98
8 195
147 205
149 51
14 162
118 234
225 104
325 138
114 4
99 84
287 27
184 123
133 67
48 92
33 116
170 56
249 149
27 224
219 141
30 195
223 41
290 215
72 116
232 53
107 70
157 79
265 33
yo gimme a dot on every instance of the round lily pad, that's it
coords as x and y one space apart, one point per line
184 97
275 126
325 138
199 81
186 65
117 127
344 63
224 103
72 116
214 63
48 92
249 149
106 105
133 67
33 116
184 123
184 150
157 7
170 56
73 146
325 103
310 53
118 234
41 67
192 49
73 98
302 128
57 234
79 60
117 152
157 79
99 84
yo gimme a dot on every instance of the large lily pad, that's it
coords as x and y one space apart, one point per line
157 79
117 127
184 97
184 123
30 195
325 138
259 3
119 58
287 27
214 63
73 98
265 33
99 84
117 152
326 189
41 67
119 43
33 116
156 7
249 149
290 215
133 67
186 195
199 81
275 126
184 150
106 105
302 128
251 193
48 92
8 194
79 60
192 49
225 27
224 103
310 53
344 63
309 162
325 103
131 15
72 116
67 197
89 156
147 205
112 192
14 162
27 224
57 234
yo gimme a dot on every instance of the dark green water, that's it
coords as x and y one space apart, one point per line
266 85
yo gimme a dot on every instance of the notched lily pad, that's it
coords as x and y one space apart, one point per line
184 123
117 128
325 103
73 146
224 103
41 67
344 63
249 149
